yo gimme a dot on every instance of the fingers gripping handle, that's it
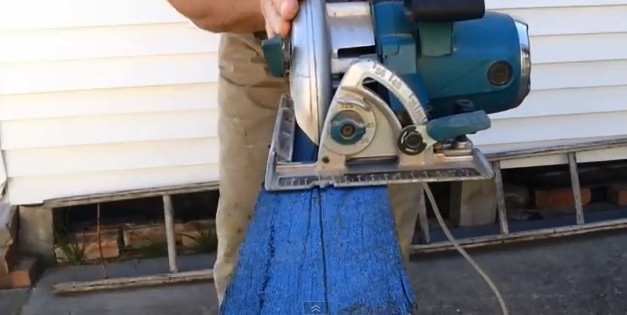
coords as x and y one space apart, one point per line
274 54
449 127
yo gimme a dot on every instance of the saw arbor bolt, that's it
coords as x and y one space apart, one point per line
347 130
348 127
410 141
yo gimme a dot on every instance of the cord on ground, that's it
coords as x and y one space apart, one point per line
450 237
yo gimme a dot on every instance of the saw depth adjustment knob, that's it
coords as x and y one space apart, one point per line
410 141
347 127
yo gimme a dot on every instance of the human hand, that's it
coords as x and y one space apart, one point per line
278 15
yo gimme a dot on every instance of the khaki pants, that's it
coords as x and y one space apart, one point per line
248 99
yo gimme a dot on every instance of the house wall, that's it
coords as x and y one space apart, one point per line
578 86
106 95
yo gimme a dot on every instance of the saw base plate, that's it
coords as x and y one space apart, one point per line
284 174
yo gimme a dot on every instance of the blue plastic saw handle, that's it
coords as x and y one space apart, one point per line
449 127
273 54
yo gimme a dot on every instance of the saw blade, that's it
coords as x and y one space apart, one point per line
310 68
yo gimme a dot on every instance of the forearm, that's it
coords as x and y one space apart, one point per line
222 16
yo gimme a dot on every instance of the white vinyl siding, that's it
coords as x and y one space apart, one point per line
106 95
579 87
100 96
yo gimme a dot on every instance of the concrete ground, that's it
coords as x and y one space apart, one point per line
585 275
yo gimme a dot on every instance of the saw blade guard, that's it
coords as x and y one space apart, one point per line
305 58
310 69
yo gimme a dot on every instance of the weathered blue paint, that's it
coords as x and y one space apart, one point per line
364 268
281 261
335 248
332 248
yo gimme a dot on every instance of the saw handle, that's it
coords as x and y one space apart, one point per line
274 56
450 127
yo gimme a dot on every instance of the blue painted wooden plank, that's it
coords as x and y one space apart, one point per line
330 248
281 263
364 266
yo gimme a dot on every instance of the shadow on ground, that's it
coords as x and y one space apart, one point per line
572 276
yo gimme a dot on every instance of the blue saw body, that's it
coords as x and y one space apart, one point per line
458 60
481 57
461 62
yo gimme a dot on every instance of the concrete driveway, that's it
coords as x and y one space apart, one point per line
585 275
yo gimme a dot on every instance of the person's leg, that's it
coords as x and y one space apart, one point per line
405 200
248 99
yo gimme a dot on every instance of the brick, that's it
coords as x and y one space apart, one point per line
26 272
560 198
87 242
8 223
5 282
108 241
617 193
137 236
191 231
7 258
91 225
179 228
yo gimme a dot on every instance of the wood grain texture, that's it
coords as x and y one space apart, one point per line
335 248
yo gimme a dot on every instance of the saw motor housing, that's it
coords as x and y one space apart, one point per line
453 51
388 90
